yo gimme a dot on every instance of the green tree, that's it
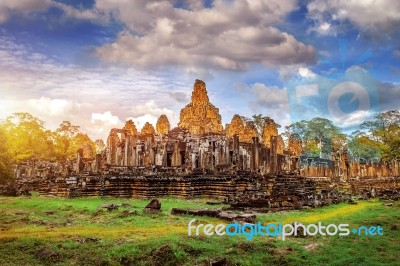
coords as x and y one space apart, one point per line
77 142
298 130
384 133
318 136
27 138
361 148
260 121
62 137
6 162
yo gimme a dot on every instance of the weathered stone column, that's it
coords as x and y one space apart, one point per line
79 155
97 165
235 159
256 155
274 155
176 156
126 150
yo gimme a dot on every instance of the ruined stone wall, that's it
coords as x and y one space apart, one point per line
373 169
352 170
374 185
148 186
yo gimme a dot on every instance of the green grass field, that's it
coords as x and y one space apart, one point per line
78 233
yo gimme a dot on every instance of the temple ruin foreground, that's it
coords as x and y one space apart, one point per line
201 157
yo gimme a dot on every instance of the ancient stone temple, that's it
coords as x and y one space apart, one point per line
244 129
200 158
200 116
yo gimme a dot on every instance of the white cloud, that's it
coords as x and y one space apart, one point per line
269 95
52 111
288 72
102 123
377 16
26 7
106 117
270 101
229 35
324 28
84 14
54 107
55 92
305 72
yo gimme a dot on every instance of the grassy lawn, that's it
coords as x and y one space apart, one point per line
80 233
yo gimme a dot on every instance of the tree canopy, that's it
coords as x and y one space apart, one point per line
318 136
24 137
377 139
383 133
6 162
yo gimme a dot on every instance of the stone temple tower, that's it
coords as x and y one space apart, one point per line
200 116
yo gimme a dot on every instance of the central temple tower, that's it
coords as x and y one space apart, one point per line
200 116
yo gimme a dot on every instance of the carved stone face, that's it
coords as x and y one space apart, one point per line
270 130
245 130
148 129
130 127
87 151
199 94
200 116
162 125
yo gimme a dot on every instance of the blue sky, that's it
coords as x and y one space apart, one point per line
99 63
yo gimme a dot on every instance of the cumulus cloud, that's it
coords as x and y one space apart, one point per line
52 111
93 14
26 7
96 98
54 107
323 28
229 35
269 96
269 101
305 72
107 117
102 123
369 15
288 72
